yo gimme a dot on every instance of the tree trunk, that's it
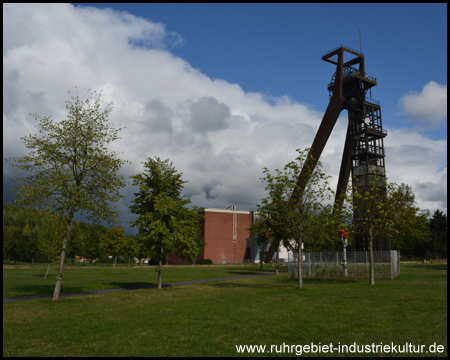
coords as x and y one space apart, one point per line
129 261
48 268
278 260
372 267
261 254
63 255
160 269
32 262
300 263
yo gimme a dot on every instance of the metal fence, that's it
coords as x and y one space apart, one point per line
331 265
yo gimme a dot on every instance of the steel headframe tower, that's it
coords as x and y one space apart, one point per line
364 149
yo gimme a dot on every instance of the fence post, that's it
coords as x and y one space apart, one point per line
320 257
367 265
309 264
397 262
289 266
391 258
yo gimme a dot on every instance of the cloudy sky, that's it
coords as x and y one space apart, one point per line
223 90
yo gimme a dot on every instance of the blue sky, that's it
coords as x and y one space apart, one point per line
225 89
277 48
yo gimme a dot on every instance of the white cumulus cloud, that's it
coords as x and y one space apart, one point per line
216 134
428 106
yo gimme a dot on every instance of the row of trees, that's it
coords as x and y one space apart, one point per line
22 228
40 239
71 171
427 239
20 232
297 216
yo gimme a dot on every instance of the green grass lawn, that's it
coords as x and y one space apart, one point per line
210 319
22 280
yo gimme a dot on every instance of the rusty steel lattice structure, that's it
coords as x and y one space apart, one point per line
363 154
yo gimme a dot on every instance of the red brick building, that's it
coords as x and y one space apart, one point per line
226 234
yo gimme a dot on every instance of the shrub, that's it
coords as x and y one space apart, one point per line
204 262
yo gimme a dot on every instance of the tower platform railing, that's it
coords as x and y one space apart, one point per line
329 52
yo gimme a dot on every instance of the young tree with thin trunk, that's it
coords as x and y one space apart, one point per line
372 217
260 235
49 236
381 209
92 244
139 247
129 248
115 242
290 208
72 170
165 224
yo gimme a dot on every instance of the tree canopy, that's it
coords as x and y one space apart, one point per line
438 233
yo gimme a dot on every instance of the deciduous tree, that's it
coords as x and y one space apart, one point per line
165 224
140 247
382 209
92 243
438 232
411 223
115 242
75 244
49 236
71 168
290 208
260 235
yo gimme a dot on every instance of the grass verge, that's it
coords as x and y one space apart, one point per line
210 319
23 280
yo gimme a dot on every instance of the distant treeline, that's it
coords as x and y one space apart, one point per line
436 245
19 237
20 228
